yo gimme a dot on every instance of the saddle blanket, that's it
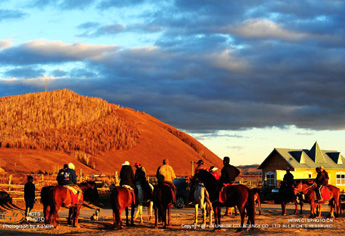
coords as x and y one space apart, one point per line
74 194
325 193
131 190
172 191
222 194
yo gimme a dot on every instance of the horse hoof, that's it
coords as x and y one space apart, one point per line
77 226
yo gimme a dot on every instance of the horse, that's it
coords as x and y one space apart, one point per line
286 196
144 196
202 199
308 191
53 197
121 199
257 198
162 201
237 195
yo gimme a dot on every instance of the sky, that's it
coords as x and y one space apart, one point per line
243 77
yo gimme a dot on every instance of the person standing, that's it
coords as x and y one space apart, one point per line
29 196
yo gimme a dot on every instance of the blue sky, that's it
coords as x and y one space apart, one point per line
242 77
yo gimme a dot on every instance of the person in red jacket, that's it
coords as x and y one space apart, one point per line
213 171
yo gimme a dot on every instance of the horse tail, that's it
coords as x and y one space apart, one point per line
251 207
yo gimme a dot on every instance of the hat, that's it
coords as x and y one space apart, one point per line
321 167
200 162
71 166
126 163
137 164
213 168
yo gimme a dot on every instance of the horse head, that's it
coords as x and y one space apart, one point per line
89 189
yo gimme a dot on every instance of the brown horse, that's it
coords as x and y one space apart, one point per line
237 195
162 201
121 199
308 191
54 197
286 196
257 198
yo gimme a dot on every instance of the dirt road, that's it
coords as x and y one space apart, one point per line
269 223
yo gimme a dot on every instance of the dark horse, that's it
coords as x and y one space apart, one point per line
54 197
237 195
121 199
308 191
162 201
287 195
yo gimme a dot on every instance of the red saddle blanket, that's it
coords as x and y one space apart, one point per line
222 193
325 193
74 197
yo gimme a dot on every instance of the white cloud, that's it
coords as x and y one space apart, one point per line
226 60
77 51
260 28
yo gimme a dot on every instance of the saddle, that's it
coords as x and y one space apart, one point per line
325 193
131 190
74 195
222 194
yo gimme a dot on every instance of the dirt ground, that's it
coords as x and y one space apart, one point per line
269 223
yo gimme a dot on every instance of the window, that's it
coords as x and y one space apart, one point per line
270 178
310 175
340 178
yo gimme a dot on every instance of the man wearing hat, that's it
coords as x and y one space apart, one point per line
321 180
69 180
213 171
228 172
126 175
200 165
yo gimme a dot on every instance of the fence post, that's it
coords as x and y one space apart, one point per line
81 175
116 179
9 182
42 177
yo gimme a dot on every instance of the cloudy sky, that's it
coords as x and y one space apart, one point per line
242 77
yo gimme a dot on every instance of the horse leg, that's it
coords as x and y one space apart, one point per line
283 208
296 206
241 210
70 216
312 209
196 214
127 223
301 204
132 214
137 213
204 213
76 216
140 211
259 205
319 215
156 217
169 215
150 210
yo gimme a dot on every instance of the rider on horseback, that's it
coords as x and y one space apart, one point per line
140 178
69 181
288 181
228 172
165 175
200 165
59 177
321 180
126 175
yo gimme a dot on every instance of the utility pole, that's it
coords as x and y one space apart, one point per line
46 84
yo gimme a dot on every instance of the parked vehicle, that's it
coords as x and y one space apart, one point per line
182 192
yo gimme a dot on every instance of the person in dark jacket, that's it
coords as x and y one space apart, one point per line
140 179
126 175
228 172
321 180
69 180
61 173
29 195
288 178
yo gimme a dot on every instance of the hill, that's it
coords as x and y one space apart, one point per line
42 131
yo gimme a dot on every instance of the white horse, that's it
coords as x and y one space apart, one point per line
141 200
202 199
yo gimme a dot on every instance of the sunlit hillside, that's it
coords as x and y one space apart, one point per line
64 126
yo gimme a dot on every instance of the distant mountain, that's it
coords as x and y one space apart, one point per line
42 131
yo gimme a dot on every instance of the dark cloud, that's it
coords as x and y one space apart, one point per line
24 72
11 14
226 66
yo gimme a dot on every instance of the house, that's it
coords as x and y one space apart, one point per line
302 164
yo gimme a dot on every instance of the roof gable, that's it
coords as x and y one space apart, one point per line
316 155
336 157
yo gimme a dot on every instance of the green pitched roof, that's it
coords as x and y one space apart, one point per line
310 159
